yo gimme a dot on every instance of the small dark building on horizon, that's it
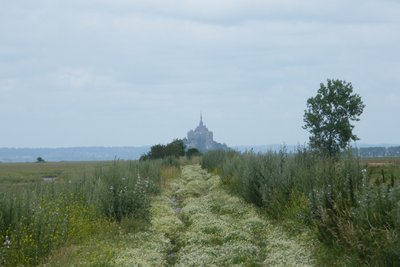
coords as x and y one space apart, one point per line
202 139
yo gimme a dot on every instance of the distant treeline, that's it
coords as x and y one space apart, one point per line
374 152
132 153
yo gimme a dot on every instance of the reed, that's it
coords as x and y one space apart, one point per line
336 198
43 216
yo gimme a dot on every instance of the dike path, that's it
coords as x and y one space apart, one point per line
195 222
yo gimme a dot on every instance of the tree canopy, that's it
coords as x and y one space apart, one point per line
329 114
174 149
40 160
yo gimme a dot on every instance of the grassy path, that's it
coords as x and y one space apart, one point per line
196 223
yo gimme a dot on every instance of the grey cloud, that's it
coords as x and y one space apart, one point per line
136 64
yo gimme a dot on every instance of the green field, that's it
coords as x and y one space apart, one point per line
13 173
85 201
14 176
173 213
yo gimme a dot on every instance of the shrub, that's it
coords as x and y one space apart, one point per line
174 149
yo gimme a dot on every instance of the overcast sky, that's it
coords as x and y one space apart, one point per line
139 72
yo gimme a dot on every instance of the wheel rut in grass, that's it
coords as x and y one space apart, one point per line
195 222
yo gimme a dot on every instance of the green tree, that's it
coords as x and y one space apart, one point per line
328 116
157 151
40 160
176 148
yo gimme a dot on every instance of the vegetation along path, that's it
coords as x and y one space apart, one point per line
195 222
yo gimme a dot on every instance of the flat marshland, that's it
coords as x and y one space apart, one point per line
14 173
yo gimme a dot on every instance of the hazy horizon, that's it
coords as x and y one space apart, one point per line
138 73
231 146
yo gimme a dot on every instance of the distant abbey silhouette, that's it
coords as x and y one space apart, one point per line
202 139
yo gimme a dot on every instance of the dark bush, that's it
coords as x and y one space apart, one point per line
174 149
192 152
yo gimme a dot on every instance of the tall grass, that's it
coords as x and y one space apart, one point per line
336 198
45 216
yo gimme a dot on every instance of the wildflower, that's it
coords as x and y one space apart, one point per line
7 242
364 173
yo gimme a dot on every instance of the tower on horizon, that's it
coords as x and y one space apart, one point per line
202 138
